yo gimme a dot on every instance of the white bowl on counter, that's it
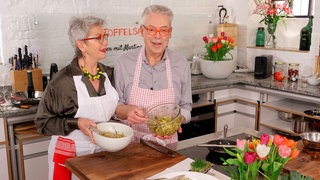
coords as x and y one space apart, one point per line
314 81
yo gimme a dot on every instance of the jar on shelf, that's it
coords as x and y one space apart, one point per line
260 37
279 71
293 72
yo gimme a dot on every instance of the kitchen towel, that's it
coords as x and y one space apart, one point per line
65 149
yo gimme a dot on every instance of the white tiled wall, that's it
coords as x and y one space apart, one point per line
42 25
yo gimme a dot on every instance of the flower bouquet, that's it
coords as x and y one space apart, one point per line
218 47
265 156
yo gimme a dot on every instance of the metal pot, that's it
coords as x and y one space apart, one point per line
311 140
300 125
216 153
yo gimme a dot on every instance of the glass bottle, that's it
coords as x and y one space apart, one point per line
260 37
293 72
279 71
307 28
304 40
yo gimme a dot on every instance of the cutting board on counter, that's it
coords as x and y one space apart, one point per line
307 163
136 161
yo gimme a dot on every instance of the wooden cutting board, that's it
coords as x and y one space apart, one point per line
307 163
136 161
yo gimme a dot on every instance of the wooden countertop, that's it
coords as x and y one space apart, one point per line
307 163
136 161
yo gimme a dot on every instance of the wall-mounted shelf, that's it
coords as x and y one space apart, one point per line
279 49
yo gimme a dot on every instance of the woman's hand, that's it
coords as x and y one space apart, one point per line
84 125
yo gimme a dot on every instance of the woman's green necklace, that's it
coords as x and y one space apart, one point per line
91 76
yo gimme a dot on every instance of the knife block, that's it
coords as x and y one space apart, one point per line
20 80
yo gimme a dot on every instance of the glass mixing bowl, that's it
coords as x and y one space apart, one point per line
164 119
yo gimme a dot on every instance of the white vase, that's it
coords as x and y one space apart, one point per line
217 69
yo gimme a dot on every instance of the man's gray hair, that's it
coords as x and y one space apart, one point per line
79 29
160 9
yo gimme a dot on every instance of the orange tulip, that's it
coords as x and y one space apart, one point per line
295 153
219 45
290 143
214 48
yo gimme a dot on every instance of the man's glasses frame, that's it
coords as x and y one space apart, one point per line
163 31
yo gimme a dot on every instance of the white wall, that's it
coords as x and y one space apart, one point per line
42 25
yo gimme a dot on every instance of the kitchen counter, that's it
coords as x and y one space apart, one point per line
244 80
201 84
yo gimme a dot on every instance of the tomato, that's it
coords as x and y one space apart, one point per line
279 76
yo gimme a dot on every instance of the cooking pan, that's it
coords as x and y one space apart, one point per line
216 153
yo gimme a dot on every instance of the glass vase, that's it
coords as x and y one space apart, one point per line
271 36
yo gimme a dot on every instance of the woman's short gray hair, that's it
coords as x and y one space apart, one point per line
79 29
160 9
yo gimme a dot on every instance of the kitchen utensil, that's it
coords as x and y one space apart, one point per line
195 65
112 144
217 145
30 85
300 125
313 112
53 70
218 152
311 140
222 14
158 147
225 130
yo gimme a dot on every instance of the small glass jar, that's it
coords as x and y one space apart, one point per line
279 71
293 72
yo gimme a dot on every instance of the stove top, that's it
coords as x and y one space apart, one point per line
196 152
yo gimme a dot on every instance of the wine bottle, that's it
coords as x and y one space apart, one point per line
307 29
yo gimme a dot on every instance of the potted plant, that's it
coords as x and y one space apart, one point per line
215 63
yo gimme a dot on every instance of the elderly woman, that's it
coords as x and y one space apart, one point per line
78 96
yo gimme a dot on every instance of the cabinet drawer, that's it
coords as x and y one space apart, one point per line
4 170
34 147
2 130
36 168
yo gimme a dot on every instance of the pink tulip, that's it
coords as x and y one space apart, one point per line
222 34
262 150
241 144
250 157
264 139
278 140
284 151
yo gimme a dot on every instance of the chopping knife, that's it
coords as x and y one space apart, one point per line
158 147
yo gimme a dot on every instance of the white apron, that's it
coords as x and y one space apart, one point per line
98 109
146 98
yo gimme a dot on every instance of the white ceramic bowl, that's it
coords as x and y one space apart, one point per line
113 144
313 81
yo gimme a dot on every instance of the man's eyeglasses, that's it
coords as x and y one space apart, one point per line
163 31
100 38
